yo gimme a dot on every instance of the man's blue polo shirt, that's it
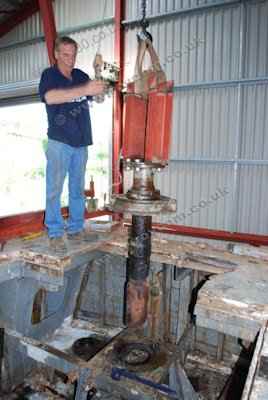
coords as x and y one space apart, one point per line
67 122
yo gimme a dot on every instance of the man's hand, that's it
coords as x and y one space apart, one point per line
95 87
91 88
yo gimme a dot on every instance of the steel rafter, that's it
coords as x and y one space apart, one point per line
118 103
14 3
47 13
18 16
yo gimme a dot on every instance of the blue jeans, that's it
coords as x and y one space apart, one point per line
63 159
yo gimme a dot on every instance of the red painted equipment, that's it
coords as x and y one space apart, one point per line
47 13
148 110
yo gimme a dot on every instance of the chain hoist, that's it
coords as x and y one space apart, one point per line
144 23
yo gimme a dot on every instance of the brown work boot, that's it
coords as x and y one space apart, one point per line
81 236
57 244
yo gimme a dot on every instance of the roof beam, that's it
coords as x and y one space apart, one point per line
47 13
18 16
14 3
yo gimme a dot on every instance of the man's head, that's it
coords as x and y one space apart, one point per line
65 52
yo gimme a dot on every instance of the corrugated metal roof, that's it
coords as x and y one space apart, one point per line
69 14
7 7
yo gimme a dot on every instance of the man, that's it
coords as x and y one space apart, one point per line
66 91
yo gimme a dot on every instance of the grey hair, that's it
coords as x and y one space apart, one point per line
65 40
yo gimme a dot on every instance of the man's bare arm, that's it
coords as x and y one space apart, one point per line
59 96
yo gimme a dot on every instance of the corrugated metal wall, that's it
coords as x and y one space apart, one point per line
69 15
23 53
217 55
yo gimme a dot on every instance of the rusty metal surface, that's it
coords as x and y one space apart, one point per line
137 355
143 183
138 265
155 312
139 248
37 255
194 255
86 347
142 199
154 370
137 300
122 203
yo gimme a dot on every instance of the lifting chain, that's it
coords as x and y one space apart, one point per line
144 22
144 34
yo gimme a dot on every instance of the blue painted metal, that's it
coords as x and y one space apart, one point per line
82 383
31 348
19 284
117 373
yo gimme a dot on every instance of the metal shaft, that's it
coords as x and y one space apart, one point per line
139 252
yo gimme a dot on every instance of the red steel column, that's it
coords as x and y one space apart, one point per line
47 13
118 102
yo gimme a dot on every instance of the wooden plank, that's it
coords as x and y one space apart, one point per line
251 251
196 256
235 303
251 384
193 255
